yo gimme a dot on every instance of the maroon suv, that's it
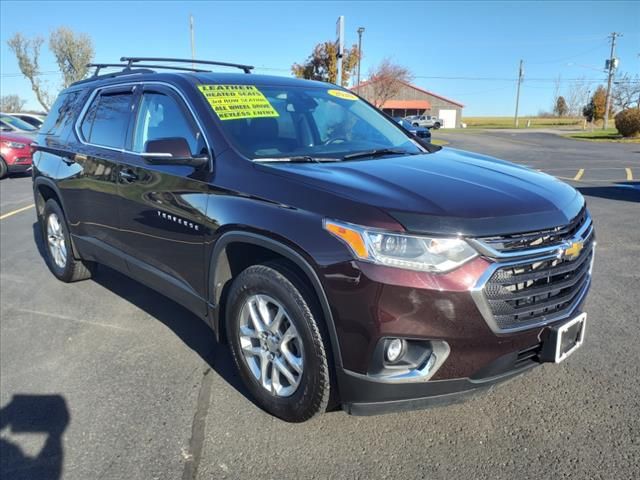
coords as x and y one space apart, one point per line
15 153
345 261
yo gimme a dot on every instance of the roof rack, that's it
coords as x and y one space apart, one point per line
132 66
131 60
127 68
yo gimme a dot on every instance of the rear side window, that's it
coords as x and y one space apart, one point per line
106 121
61 113
160 116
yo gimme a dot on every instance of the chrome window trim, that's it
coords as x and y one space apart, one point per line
491 252
97 90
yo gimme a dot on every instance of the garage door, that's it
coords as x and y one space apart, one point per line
449 118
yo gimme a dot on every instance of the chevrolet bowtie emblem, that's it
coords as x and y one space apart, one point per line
572 251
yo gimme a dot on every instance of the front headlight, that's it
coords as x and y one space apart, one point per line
423 254
14 145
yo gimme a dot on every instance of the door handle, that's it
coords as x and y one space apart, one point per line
128 175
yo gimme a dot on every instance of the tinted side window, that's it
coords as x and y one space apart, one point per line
107 120
61 114
160 116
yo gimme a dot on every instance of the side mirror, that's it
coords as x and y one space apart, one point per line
172 151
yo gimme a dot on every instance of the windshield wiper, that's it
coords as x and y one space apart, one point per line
377 153
296 159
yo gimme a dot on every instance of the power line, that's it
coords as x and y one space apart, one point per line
18 74
570 57
503 79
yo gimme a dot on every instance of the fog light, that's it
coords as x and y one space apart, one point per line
394 349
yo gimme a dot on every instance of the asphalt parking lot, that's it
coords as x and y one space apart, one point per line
107 379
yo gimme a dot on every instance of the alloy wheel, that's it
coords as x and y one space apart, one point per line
271 345
55 240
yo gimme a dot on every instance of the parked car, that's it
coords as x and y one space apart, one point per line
419 132
32 119
15 153
9 123
344 261
425 121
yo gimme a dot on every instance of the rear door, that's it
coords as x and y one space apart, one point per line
162 207
89 177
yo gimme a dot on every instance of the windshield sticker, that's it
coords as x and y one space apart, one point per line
343 95
231 102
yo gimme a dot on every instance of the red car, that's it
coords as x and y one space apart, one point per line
15 153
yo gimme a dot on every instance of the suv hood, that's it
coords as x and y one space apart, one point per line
449 192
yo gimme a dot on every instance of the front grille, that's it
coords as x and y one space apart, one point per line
525 241
523 293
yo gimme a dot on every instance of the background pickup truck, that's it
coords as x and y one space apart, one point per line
425 121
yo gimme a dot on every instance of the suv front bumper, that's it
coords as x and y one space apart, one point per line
371 303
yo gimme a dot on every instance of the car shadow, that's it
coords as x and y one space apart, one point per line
623 191
193 331
33 414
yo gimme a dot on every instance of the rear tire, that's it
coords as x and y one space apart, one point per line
263 347
436 126
3 168
57 243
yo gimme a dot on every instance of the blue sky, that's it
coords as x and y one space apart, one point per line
479 40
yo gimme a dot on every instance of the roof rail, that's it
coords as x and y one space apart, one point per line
126 67
99 66
132 60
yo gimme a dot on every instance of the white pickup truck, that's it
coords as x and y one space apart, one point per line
425 121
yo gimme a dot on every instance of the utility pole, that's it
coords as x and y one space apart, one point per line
612 67
520 76
193 46
360 32
340 48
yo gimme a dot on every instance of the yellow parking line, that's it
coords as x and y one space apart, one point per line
579 174
629 174
9 214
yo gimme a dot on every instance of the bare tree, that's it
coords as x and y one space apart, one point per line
626 92
577 96
386 80
27 52
557 84
73 52
11 103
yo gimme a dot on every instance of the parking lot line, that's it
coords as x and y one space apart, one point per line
579 174
629 173
9 214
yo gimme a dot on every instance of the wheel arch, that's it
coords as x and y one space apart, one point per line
45 189
221 274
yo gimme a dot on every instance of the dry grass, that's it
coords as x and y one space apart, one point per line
533 122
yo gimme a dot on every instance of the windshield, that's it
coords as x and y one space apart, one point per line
17 123
406 124
303 122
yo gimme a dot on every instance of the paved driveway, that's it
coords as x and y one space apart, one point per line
107 379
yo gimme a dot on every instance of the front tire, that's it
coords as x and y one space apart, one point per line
276 343
3 168
57 243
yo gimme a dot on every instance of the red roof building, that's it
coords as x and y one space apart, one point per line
412 100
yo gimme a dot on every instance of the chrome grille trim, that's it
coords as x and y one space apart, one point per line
484 245
536 304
